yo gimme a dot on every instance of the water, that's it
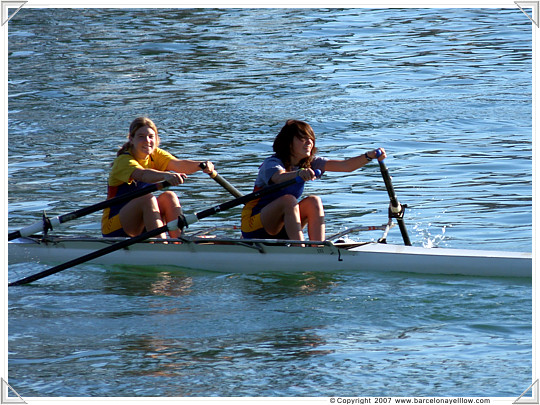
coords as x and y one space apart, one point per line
447 92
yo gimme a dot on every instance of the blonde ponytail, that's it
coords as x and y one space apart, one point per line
124 149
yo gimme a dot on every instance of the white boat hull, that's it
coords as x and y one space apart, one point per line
242 257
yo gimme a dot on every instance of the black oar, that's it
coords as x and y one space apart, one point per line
224 183
47 223
181 223
397 210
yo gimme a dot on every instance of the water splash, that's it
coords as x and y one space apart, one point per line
431 238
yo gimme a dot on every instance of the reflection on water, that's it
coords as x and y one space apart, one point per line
172 286
134 280
245 364
277 285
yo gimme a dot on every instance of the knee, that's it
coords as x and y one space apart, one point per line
149 202
170 196
288 201
315 202
168 200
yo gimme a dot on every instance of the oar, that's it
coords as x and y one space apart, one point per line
183 221
224 183
47 223
396 209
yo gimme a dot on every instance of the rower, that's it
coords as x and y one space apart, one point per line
139 162
281 215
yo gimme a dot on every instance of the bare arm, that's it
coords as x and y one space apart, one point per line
351 164
155 176
188 166
175 174
281 176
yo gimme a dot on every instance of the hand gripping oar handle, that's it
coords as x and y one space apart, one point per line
47 223
182 222
224 183
396 209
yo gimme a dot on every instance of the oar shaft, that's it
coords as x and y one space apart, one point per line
114 201
404 233
389 186
222 182
225 184
40 226
395 207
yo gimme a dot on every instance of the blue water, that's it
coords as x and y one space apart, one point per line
447 92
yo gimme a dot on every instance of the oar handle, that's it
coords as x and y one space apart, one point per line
397 210
221 181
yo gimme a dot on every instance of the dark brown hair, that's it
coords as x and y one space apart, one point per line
284 140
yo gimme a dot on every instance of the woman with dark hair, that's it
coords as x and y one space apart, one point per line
139 162
280 215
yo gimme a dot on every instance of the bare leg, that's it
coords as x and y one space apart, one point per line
139 213
170 210
283 212
312 214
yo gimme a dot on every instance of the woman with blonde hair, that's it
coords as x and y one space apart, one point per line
280 215
139 162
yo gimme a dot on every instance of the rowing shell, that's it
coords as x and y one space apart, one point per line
256 256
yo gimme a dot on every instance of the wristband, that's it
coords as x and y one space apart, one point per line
367 157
